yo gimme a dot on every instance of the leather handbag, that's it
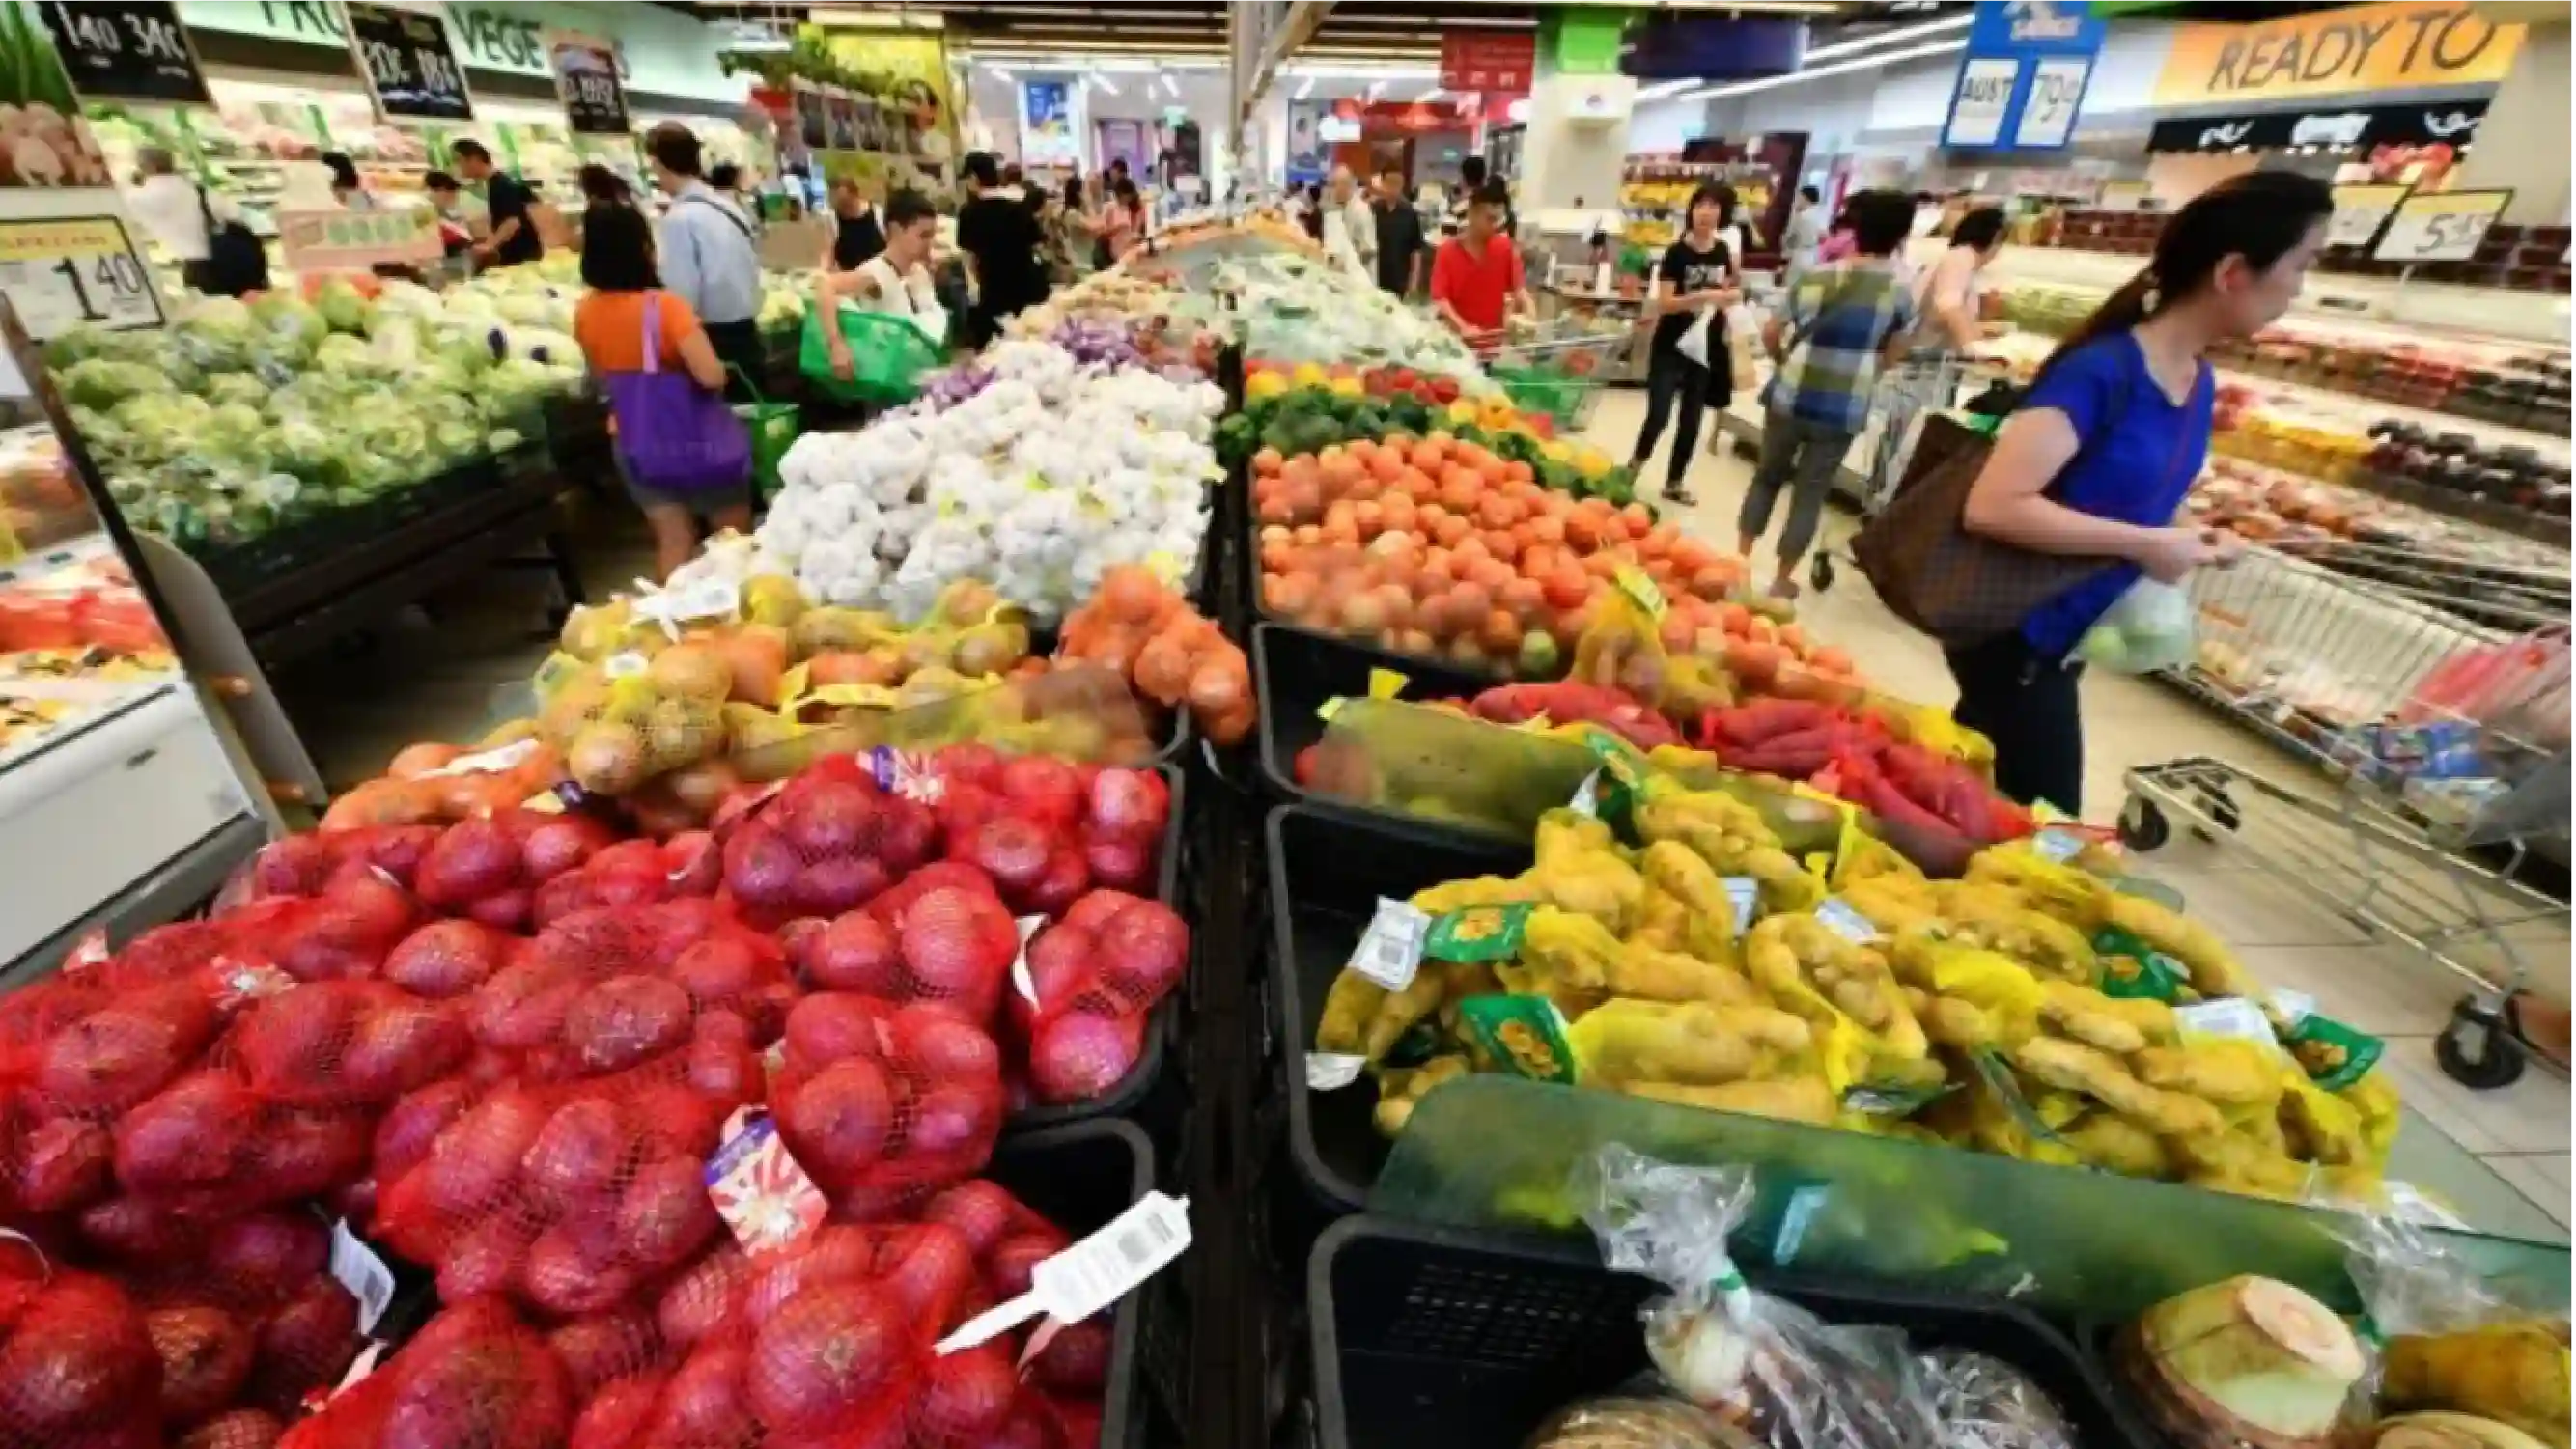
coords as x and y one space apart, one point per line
1959 587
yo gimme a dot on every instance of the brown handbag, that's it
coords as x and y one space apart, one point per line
1959 587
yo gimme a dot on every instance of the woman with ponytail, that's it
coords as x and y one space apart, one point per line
2097 460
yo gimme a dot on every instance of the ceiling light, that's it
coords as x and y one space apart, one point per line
1375 89
1102 81
1661 89
1171 85
1006 75
1304 89
1873 42
1741 88
1432 94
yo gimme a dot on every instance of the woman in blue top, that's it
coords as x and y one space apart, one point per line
2100 455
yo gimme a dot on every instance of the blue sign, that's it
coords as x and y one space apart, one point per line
2021 81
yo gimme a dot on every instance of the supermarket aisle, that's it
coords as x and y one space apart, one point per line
2285 936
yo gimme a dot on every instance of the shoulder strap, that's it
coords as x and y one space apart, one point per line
652 332
737 223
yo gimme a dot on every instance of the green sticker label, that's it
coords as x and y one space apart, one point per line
1477 933
2132 968
2334 1055
1525 1035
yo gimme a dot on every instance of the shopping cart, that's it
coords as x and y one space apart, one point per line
1908 393
2444 746
1557 369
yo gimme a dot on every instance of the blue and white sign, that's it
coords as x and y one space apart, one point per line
2022 79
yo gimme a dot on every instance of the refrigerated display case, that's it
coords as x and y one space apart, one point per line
124 798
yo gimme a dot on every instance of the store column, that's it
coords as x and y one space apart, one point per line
1577 134
2528 120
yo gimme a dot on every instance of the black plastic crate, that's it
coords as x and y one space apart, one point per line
1428 1337
1080 1175
1132 1089
1295 670
1339 866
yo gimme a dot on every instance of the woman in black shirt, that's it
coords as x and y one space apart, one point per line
857 234
1696 275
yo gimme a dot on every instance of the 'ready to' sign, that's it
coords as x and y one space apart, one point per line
2332 52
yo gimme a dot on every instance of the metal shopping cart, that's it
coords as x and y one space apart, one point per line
2444 742
1906 394
1557 369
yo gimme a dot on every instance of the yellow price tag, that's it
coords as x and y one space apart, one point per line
1387 683
1640 590
1328 709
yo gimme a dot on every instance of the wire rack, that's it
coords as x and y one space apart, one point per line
1558 369
2442 734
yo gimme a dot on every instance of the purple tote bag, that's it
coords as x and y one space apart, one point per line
677 436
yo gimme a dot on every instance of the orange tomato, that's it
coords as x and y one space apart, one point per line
1428 456
1523 597
1565 587
1450 530
1301 471
1266 462
1501 544
1518 472
1583 532
1502 633
1830 660
1370 518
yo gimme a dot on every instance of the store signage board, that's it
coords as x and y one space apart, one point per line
2341 51
126 50
2346 128
2360 211
2441 226
408 65
585 71
61 272
348 241
2023 56
1485 60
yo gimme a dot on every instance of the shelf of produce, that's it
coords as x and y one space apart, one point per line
1425 1334
36 563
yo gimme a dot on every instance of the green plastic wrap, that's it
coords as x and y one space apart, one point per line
1496 1151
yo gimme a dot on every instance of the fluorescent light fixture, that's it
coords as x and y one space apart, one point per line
1840 67
1661 89
1006 75
1891 37
1375 89
1102 81
1432 94
1171 85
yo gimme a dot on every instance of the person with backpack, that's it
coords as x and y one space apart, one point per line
709 253
2097 460
217 254
1842 326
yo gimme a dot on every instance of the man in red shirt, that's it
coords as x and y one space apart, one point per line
1476 280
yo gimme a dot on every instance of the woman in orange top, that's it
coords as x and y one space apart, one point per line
608 322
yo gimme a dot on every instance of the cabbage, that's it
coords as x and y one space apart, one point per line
342 307
101 382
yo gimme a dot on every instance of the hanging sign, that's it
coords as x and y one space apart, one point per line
59 272
2340 51
1481 60
585 70
2443 226
2360 211
323 241
128 50
405 57
2022 77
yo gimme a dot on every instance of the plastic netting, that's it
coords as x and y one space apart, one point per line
1093 979
881 1104
77 1364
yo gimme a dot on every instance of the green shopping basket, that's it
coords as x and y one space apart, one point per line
890 354
1543 390
774 428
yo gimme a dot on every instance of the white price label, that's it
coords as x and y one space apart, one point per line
2441 227
2056 92
1743 894
1390 951
1090 1275
1587 797
2293 1006
1845 920
356 1267
1021 980
1977 107
2057 846
622 664
485 762
75 270
2360 211
1332 1071
2227 1016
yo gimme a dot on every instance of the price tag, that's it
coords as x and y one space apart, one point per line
487 762
70 270
2227 1016
1021 980
761 1191
2360 211
585 71
1390 950
2057 845
1090 1275
1743 894
1845 920
624 663
326 241
1332 1071
126 50
2442 226
409 66
356 1267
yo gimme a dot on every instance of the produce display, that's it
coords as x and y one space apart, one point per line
1296 307
1140 630
1669 945
1037 471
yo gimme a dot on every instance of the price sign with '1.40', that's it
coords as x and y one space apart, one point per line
61 272
125 50
408 63
2441 226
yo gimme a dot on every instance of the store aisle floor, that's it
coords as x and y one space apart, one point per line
2285 934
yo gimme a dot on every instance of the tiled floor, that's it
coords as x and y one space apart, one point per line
450 676
2520 1133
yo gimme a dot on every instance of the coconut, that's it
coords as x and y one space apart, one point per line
2249 1360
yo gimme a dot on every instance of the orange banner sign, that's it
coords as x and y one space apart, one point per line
2333 52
